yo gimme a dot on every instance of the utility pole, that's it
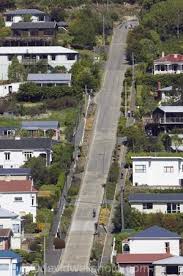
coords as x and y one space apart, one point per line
133 68
178 25
125 88
103 29
122 199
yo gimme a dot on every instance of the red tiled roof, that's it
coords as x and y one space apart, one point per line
16 186
139 258
5 232
171 58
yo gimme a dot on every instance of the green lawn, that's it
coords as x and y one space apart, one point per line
6 122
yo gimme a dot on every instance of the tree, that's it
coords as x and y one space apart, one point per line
6 4
82 28
39 171
16 71
177 141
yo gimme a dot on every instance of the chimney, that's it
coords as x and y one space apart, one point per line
163 54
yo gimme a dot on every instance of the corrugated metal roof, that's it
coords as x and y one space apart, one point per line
25 143
155 232
171 108
12 186
36 50
174 260
49 77
15 171
156 197
170 58
139 258
34 125
166 89
6 232
4 213
33 25
24 12
8 254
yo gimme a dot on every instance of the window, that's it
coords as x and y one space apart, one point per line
1 226
18 198
32 201
71 56
168 169
7 156
48 32
10 89
16 228
4 267
173 208
140 168
27 155
147 206
167 247
53 57
10 57
172 270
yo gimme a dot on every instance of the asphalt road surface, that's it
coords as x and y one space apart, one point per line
79 243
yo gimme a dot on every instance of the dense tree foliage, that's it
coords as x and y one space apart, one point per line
32 92
138 221
16 71
162 24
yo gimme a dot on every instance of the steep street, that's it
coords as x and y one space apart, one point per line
79 243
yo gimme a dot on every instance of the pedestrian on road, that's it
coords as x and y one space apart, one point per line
94 213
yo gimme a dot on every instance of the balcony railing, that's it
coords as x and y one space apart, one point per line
34 61
168 120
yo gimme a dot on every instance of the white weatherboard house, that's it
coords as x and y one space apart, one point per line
155 171
166 203
56 79
169 64
9 88
146 247
49 55
154 240
169 266
19 196
10 263
15 152
12 221
14 16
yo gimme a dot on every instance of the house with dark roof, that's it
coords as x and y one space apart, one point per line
15 174
54 79
19 196
164 119
48 128
15 152
10 263
31 34
169 64
34 15
141 250
11 220
166 203
153 240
